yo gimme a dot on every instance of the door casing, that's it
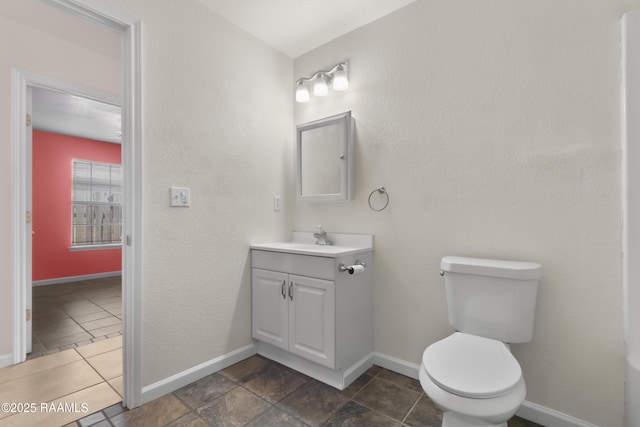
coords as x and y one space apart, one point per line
130 30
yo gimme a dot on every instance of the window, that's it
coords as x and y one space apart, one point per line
96 205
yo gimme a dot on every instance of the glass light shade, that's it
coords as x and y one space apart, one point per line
302 93
320 87
340 80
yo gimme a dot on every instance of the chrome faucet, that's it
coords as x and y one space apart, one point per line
321 236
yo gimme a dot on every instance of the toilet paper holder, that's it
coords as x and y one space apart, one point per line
349 268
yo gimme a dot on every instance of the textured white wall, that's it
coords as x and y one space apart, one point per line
39 38
217 118
495 128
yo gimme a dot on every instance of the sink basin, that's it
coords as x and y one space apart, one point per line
303 244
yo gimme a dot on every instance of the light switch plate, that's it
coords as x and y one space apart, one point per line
180 197
277 205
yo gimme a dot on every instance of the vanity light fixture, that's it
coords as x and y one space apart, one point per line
340 79
321 85
302 92
320 81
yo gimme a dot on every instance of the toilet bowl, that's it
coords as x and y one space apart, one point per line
472 375
474 380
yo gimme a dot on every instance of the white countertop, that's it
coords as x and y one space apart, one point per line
303 243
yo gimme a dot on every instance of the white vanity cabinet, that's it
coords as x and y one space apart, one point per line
295 313
311 316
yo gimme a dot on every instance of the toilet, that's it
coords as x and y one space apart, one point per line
472 375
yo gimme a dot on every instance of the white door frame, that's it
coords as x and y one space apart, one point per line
28 144
22 81
630 107
130 29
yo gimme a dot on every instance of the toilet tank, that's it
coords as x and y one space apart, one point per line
492 298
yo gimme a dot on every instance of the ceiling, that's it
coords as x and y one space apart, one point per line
296 27
67 114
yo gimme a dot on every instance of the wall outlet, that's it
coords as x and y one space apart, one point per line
180 197
277 203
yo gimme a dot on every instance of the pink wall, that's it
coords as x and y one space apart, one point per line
52 155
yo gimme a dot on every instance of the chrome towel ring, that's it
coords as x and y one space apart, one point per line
381 191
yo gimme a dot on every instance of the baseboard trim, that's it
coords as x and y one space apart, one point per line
549 417
529 410
6 360
190 375
395 364
59 280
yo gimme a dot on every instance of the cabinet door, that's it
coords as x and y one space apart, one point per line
312 319
269 307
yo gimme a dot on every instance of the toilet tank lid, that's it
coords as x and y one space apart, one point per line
492 267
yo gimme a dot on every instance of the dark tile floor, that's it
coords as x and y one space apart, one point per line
258 393
69 315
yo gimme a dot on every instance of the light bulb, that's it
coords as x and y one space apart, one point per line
340 80
302 92
320 87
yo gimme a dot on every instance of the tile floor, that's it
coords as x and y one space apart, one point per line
70 319
89 375
69 315
259 393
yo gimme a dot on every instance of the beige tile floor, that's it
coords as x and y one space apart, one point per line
62 387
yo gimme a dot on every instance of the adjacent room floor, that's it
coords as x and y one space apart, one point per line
70 315
89 375
76 356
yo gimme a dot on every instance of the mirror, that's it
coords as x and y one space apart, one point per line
324 159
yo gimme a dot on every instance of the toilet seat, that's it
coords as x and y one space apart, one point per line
472 366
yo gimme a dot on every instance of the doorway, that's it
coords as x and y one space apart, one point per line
129 29
76 253
84 353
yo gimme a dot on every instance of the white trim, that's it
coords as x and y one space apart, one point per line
18 176
69 279
132 215
130 28
549 417
6 360
396 365
190 375
96 12
529 410
358 368
95 247
630 136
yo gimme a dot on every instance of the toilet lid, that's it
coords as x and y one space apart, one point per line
471 366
